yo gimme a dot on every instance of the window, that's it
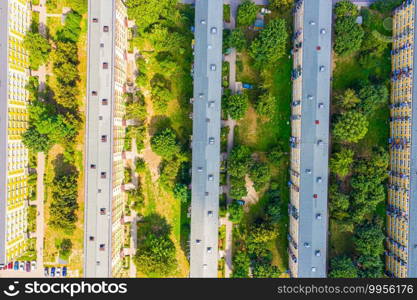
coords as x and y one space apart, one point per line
104 102
106 28
95 20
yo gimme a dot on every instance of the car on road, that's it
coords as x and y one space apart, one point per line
58 272
53 271
33 265
22 266
46 272
16 266
64 272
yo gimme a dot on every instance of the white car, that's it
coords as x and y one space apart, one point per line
58 272
33 266
22 266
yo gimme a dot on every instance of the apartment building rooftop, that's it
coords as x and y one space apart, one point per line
310 138
206 125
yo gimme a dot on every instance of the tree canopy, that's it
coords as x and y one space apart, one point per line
236 105
246 13
342 267
270 45
39 49
351 127
165 144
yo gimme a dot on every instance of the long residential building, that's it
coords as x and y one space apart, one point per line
15 18
104 196
401 253
310 138
206 138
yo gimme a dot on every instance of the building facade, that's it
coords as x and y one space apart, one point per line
310 138
15 18
401 252
105 199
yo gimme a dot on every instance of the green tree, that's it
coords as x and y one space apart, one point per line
370 266
80 6
156 256
341 162
266 105
36 141
235 212
64 206
348 100
280 3
241 264
270 45
237 187
351 127
369 239
260 174
149 12
165 144
236 39
264 270
236 105
246 13
65 247
239 161
258 237
72 29
345 8
182 193
135 110
373 96
339 203
348 35
342 267
39 49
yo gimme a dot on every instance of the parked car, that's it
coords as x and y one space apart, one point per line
10 265
64 272
247 86
27 266
58 272
53 271
3 267
33 265
22 266
46 272
16 266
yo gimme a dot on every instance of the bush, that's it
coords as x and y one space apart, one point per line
182 193
345 8
236 39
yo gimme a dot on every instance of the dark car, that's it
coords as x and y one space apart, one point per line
16 265
64 272
46 272
53 271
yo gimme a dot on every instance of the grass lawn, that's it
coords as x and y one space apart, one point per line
261 134
348 73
